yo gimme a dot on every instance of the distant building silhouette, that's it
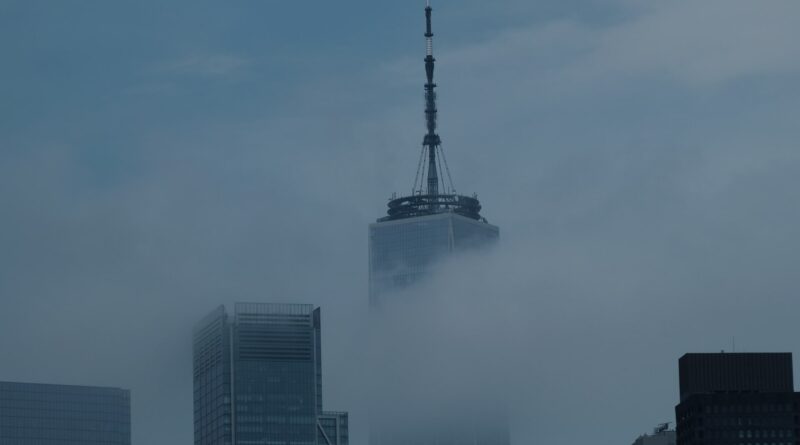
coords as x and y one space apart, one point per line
39 414
662 435
737 398
258 378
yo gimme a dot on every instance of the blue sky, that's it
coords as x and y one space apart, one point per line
158 160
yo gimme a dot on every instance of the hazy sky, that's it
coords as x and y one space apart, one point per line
640 158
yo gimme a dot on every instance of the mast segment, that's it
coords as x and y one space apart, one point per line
432 140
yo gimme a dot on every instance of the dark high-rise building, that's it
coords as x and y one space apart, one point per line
735 372
258 378
418 231
737 398
37 414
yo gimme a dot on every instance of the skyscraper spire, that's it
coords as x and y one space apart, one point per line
432 193
432 140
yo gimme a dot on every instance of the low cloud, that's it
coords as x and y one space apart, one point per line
699 43
702 42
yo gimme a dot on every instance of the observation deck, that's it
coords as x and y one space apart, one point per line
423 205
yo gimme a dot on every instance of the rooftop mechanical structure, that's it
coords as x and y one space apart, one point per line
427 198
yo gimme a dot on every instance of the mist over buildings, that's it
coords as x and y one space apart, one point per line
641 162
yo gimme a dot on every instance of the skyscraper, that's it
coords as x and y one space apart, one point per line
737 398
420 230
431 223
258 378
36 414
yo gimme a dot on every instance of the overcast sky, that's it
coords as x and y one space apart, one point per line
640 158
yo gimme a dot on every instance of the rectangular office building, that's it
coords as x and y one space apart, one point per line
39 414
737 398
258 378
735 372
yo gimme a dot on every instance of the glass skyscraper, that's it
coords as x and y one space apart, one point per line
38 414
258 378
434 221
418 232
401 251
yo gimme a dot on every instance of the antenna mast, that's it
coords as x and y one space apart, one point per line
432 200
432 140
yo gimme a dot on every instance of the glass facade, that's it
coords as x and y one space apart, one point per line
405 250
212 380
37 414
258 376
